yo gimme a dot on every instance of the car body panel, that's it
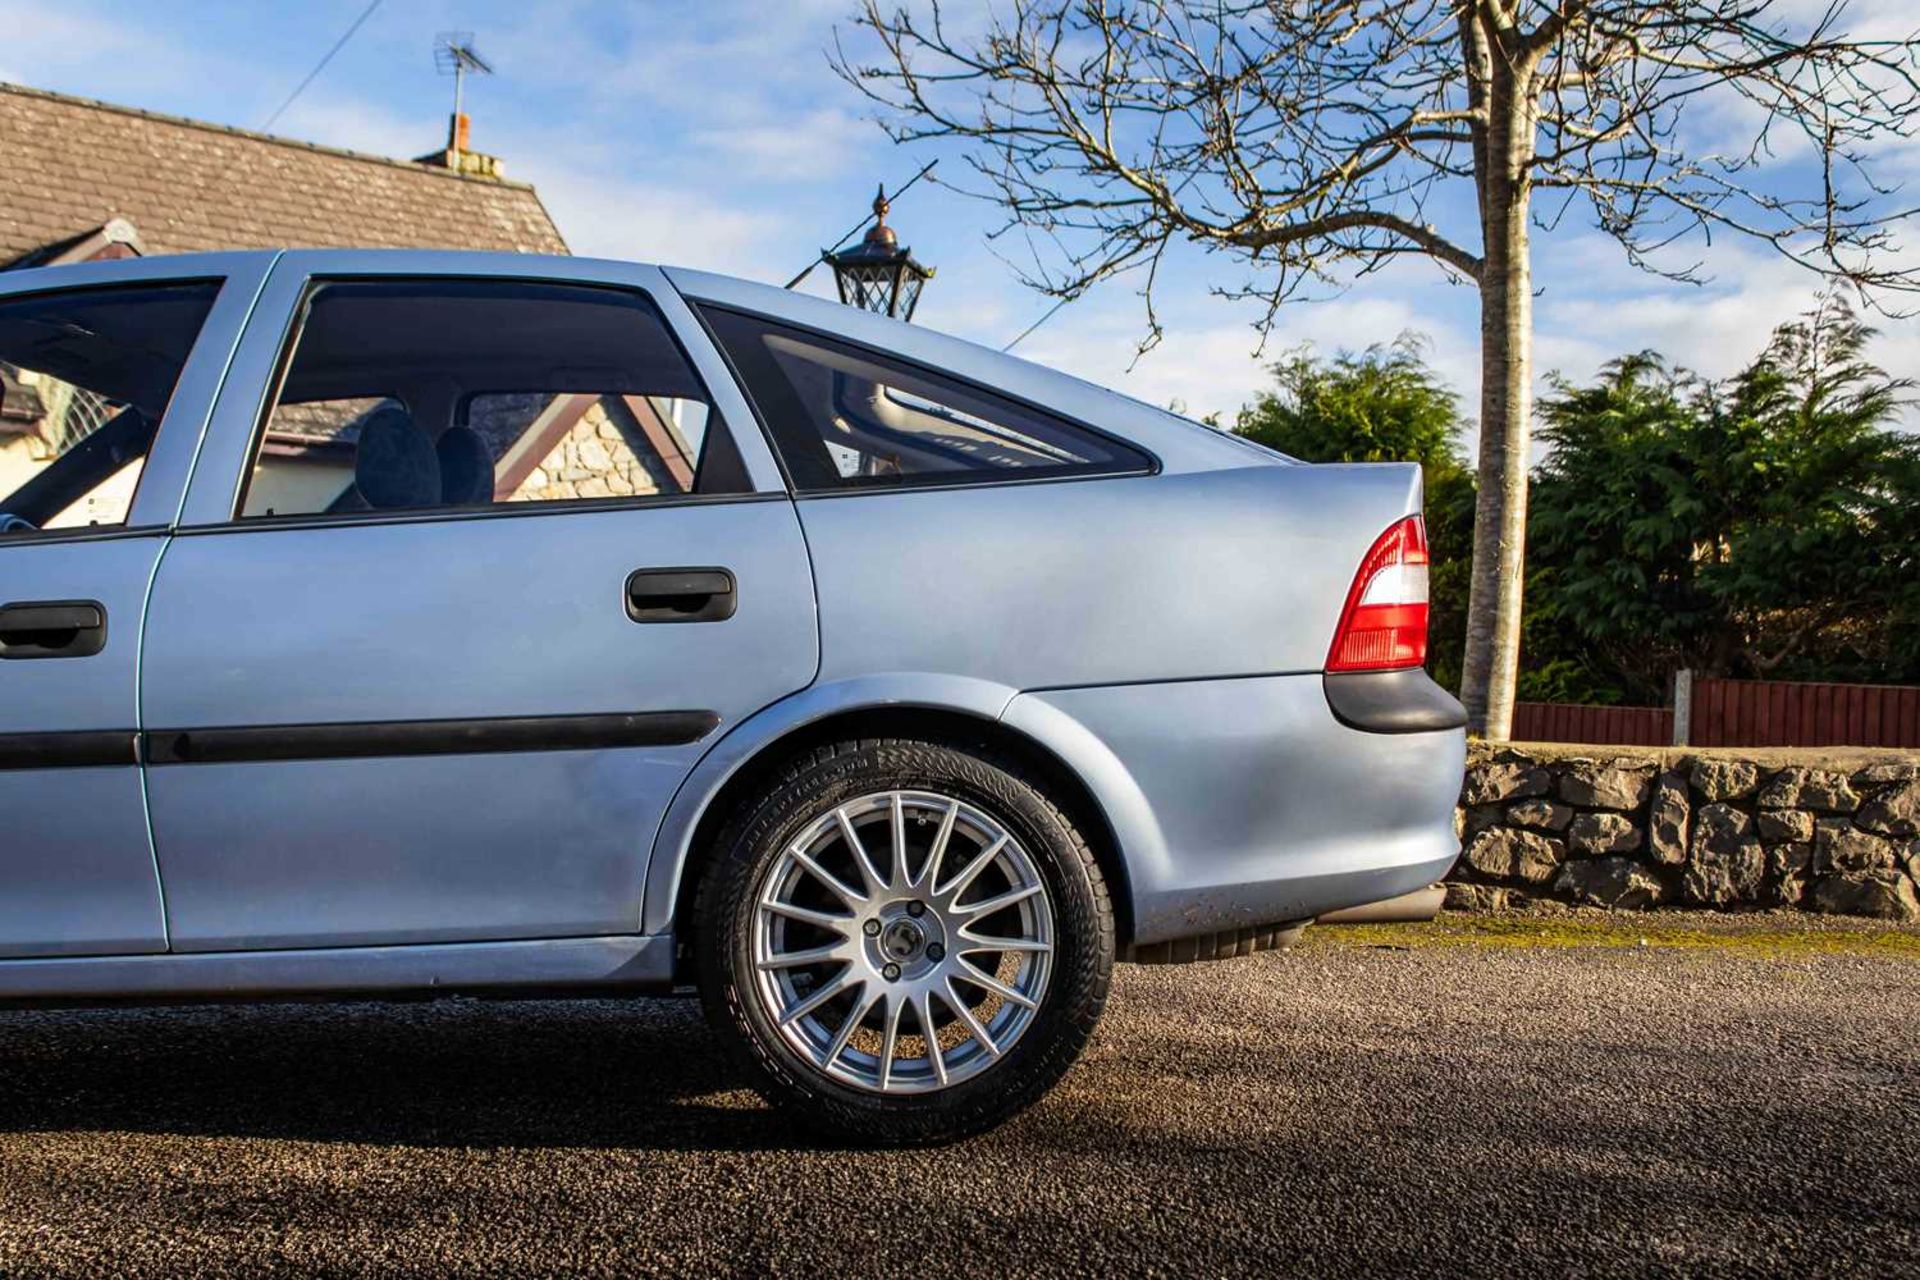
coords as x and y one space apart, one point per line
623 962
76 868
1244 802
76 871
739 745
1105 581
498 616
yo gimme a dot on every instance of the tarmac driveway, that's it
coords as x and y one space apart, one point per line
1350 1107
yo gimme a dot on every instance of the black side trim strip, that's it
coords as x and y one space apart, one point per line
77 750
427 737
1392 702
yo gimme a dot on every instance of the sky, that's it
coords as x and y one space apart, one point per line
716 135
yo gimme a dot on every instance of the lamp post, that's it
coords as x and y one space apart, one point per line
878 274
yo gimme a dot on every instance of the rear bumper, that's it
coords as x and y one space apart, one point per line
1393 702
1244 802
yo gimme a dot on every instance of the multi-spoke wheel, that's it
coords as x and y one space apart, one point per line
909 940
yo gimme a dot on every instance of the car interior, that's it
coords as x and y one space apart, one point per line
94 370
409 394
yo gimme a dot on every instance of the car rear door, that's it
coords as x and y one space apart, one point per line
110 373
393 700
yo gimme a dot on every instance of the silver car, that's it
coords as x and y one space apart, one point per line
396 622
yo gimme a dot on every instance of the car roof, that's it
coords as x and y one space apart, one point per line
1179 444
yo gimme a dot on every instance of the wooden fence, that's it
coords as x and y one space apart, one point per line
1602 726
1740 713
1779 713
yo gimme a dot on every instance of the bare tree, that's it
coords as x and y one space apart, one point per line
1319 140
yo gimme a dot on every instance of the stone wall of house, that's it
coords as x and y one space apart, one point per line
593 460
1824 830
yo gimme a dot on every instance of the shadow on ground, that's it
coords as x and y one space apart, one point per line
464 1073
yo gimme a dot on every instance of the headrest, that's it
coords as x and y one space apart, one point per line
466 467
394 464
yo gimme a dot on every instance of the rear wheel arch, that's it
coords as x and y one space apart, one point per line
943 725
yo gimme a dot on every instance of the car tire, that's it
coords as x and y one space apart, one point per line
846 1065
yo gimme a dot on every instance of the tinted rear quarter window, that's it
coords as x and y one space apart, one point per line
845 417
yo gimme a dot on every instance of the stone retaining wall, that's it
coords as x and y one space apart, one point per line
1833 830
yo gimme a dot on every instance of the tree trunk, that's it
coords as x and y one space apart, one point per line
1490 667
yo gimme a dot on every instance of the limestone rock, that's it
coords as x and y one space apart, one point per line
1725 863
1476 897
1472 821
1541 814
1602 833
1789 867
1841 849
1785 826
1609 882
1667 820
1821 789
1889 771
1886 895
1717 780
1504 780
1894 812
1506 853
1607 784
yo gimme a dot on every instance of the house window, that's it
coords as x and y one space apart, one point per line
417 394
85 377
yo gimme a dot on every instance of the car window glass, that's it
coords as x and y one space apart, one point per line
844 416
87 375
417 394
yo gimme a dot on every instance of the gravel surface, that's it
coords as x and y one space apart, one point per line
1342 1109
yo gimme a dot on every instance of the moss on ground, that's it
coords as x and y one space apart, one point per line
1778 934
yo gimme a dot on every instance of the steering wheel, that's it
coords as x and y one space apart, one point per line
10 523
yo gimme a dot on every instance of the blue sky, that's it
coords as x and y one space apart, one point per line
714 135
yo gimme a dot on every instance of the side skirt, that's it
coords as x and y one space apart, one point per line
633 963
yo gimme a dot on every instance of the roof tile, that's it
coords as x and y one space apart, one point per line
189 186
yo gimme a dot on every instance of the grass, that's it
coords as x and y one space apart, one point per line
1770 934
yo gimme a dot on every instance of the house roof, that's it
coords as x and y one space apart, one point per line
74 165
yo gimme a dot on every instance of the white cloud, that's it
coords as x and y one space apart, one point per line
1216 366
607 218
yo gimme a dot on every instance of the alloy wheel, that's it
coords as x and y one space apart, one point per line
902 941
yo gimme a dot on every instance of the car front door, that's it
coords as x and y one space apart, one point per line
476 562
109 373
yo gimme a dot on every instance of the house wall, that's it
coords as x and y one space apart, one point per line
592 460
19 461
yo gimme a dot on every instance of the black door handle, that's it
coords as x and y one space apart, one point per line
680 595
53 629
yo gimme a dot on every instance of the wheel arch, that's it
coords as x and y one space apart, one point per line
944 707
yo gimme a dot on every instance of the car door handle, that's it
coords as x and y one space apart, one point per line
681 595
53 629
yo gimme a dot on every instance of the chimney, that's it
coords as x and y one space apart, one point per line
459 155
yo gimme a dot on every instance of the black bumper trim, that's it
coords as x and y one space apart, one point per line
1392 702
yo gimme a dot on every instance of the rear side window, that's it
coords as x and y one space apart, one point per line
846 417
87 375
425 393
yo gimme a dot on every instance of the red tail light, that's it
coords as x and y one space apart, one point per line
1384 625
